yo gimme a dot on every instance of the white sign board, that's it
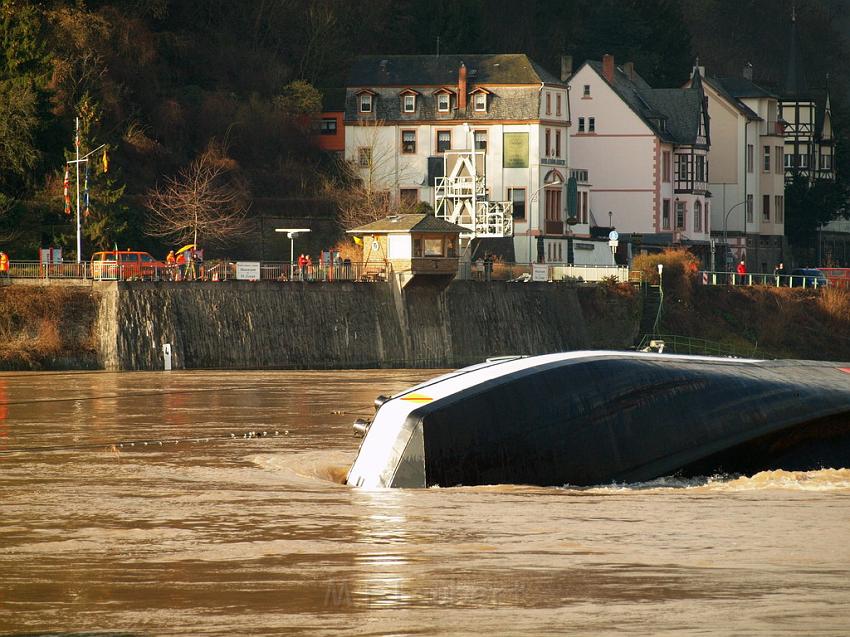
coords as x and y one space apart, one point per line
539 272
248 270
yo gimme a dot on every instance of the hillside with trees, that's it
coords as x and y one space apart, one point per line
174 88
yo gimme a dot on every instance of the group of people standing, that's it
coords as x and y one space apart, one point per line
188 265
484 267
305 266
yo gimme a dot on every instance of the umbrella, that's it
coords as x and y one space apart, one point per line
191 246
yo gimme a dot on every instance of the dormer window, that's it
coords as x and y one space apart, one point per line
408 100
443 102
480 102
365 102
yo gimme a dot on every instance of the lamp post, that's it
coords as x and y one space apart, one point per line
291 233
725 236
532 199
77 161
660 298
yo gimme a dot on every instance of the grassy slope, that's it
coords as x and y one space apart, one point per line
47 327
769 322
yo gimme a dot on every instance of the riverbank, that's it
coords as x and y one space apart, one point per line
272 325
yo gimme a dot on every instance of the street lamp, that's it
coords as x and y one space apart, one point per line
725 237
660 298
77 162
556 181
291 233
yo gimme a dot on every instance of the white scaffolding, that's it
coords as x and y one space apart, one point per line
461 197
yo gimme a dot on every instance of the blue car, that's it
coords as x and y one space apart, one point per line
808 277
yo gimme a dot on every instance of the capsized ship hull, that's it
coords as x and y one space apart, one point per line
596 417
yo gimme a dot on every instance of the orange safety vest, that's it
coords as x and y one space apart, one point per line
4 262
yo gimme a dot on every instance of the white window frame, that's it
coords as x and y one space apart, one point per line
479 101
448 104
586 91
591 124
366 105
409 103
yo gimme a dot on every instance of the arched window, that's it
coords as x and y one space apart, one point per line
697 216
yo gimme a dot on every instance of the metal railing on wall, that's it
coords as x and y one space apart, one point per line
221 270
674 344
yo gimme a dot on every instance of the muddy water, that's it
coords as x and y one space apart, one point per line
134 503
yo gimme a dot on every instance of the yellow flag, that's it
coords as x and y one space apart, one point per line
358 241
105 162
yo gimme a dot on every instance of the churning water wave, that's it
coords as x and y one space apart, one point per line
820 480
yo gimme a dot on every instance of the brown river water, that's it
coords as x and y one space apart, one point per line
202 531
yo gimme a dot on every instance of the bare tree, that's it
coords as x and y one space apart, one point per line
205 201
367 185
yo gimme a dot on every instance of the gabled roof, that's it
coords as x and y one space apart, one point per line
433 70
405 224
739 88
679 108
718 85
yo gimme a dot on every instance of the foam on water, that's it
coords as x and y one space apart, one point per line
820 480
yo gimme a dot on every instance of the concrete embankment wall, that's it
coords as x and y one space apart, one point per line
238 325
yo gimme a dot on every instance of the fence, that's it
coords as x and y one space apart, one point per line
771 280
674 344
502 271
36 270
209 271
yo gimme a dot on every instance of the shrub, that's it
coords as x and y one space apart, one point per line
680 268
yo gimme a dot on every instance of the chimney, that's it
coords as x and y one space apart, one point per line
566 67
461 87
748 71
629 70
608 67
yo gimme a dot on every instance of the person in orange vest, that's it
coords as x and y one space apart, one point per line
4 264
181 265
308 263
170 262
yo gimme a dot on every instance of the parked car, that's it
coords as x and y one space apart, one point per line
126 264
808 277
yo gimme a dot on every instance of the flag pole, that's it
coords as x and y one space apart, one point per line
77 166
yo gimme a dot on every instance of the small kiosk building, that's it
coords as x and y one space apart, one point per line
410 246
